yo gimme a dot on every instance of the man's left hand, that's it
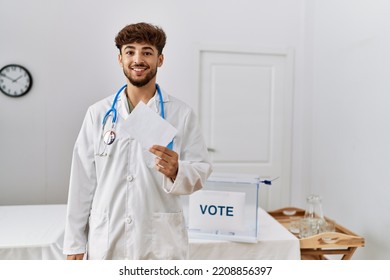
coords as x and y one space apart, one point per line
167 161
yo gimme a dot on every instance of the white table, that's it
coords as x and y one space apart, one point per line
274 243
37 232
29 232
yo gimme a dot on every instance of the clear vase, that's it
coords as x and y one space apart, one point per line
314 214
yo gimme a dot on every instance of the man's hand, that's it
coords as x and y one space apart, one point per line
75 257
167 161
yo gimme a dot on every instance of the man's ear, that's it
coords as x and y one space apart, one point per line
120 60
160 60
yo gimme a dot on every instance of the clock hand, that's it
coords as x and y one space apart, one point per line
6 76
14 81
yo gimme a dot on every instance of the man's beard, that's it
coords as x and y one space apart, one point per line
142 82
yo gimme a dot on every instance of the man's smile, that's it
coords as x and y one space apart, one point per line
139 71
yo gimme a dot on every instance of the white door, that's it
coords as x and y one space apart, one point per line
246 115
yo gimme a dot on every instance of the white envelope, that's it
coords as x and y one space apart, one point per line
148 127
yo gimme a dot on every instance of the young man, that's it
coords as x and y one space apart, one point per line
124 200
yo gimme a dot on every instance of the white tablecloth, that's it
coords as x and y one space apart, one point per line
275 243
31 232
37 232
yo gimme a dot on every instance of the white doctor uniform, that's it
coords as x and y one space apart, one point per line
119 205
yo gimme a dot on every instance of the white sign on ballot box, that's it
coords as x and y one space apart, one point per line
226 208
217 210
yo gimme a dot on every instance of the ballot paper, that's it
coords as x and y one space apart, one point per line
148 127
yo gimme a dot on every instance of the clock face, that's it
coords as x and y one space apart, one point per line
15 80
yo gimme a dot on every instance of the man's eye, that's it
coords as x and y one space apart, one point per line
148 53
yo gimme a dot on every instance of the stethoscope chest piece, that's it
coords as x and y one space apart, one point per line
109 137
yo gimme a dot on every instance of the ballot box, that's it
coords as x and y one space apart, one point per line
226 208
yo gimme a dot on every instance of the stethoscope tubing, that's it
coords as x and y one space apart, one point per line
113 109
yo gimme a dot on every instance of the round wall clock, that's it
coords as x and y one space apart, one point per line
15 80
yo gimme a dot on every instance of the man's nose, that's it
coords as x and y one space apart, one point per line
137 58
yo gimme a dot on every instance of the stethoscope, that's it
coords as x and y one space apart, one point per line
110 135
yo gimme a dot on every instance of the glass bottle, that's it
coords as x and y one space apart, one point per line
313 212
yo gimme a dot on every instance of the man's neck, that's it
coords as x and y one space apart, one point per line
137 94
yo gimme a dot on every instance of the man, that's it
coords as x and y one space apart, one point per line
124 200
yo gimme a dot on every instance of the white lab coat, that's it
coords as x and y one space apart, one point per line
120 206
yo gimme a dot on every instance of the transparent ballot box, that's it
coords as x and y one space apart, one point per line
226 208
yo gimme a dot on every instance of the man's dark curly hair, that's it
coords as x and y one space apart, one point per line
141 33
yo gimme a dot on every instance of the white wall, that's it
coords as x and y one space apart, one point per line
69 48
350 153
340 124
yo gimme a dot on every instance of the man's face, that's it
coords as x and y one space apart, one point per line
140 63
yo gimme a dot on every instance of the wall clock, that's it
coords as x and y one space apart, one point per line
15 80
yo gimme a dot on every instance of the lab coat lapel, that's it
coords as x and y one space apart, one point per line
123 106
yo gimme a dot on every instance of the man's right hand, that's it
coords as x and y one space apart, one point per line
75 257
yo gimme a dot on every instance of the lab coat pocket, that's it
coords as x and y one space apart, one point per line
97 236
170 240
